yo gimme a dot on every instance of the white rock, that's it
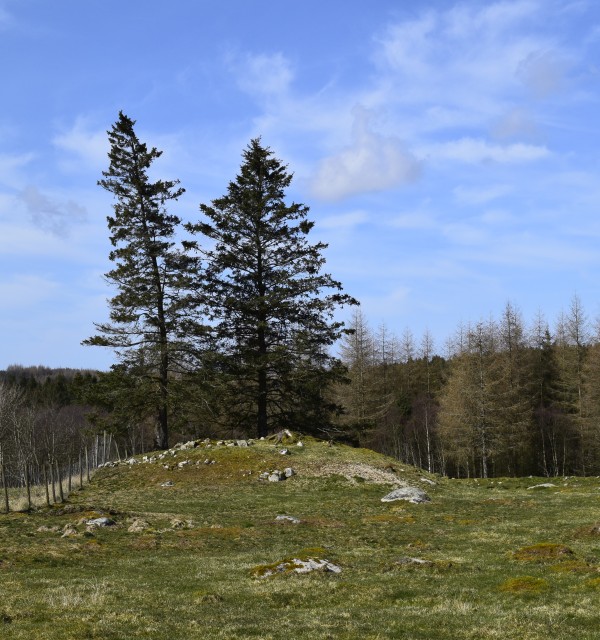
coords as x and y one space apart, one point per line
288 519
100 522
544 485
288 472
411 494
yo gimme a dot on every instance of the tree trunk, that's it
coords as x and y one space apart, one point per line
45 474
27 487
3 473
51 469
59 479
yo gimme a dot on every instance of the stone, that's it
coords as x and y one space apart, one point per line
167 483
288 472
69 531
411 494
414 561
427 481
100 522
45 529
137 526
544 485
300 444
276 476
285 452
296 565
242 443
131 461
287 519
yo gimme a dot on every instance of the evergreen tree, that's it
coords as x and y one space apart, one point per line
153 314
265 289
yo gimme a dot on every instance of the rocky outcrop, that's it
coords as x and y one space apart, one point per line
410 494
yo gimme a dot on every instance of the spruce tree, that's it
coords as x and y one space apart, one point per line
272 307
153 315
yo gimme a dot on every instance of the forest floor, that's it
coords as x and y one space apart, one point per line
483 559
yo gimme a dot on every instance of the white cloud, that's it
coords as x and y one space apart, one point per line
372 163
344 221
11 168
543 73
476 150
51 215
263 74
85 144
415 220
480 195
514 123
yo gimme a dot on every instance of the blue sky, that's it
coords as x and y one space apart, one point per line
449 152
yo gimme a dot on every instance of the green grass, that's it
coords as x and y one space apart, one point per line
502 561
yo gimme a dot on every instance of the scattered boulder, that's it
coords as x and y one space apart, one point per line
69 531
242 443
45 529
288 472
410 494
544 485
100 522
167 483
276 476
284 452
138 526
407 561
427 481
177 523
297 565
284 518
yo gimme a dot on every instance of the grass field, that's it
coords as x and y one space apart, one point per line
499 560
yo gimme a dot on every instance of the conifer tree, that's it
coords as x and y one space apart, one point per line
153 314
271 305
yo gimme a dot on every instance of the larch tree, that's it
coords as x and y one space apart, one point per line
152 317
272 307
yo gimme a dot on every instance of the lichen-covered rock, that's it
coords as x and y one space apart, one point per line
100 522
283 518
137 526
410 494
297 565
288 472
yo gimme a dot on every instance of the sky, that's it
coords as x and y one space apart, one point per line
449 152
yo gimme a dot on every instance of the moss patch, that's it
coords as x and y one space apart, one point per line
524 584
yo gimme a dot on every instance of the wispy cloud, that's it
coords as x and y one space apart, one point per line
543 73
262 75
344 221
480 195
477 150
12 168
83 143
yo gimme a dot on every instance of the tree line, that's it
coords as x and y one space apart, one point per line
506 399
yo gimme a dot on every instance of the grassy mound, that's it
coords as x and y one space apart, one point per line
196 528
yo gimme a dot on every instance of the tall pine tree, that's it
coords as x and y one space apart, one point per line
153 315
272 307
